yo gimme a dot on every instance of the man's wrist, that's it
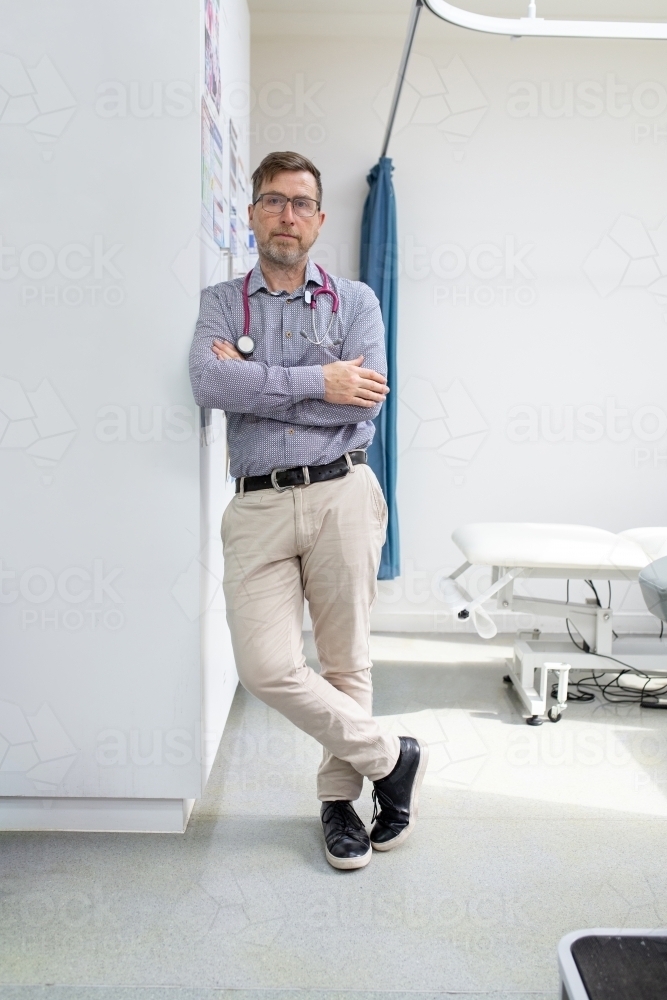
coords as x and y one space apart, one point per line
307 382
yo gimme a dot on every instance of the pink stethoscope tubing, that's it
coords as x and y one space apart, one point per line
324 289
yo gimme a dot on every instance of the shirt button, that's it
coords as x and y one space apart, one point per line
291 430
289 333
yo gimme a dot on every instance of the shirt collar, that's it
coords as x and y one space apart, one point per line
257 281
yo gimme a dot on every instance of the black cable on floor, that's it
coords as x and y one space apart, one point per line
611 691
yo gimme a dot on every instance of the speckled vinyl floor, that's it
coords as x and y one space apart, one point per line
524 835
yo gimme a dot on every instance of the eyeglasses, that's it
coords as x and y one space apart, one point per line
274 204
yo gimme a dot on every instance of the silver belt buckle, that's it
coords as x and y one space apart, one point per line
274 482
283 489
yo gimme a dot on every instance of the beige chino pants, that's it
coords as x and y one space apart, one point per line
322 541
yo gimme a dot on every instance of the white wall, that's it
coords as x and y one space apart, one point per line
100 209
532 246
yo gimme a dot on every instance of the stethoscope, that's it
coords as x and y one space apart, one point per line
245 345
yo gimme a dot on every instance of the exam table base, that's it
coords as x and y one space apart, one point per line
538 662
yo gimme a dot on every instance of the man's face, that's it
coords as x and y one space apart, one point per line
285 239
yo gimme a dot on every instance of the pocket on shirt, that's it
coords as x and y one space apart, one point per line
324 354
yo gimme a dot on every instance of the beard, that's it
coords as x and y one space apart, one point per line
283 254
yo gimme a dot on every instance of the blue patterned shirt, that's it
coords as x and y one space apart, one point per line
277 417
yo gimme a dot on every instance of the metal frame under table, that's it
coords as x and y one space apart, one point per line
535 659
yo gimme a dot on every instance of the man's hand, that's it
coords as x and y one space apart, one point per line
347 383
224 351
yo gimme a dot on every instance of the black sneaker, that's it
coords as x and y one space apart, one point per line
345 836
396 796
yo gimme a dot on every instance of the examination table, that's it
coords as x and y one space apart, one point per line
558 551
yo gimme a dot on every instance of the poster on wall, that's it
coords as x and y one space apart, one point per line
243 198
212 210
241 240
233 191
212 50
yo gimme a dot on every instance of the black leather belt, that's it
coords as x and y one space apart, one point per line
285 479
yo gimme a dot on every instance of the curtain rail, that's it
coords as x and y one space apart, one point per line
540 27
409 39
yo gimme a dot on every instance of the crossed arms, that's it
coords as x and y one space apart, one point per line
342 392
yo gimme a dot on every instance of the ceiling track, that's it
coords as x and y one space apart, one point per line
533 26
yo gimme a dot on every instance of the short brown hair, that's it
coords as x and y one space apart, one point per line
275 163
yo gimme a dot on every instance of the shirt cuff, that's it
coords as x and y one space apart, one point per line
306 382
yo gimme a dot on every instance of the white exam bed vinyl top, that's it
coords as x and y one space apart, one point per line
568 548
552 551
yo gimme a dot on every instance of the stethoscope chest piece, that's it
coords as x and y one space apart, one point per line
245 345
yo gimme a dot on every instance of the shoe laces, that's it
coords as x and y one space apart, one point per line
382 803
343 821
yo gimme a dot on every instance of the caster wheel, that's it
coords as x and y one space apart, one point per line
554 714
507 679
534 720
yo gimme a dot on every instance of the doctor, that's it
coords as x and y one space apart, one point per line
296 360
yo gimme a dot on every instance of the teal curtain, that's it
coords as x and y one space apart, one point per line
379 269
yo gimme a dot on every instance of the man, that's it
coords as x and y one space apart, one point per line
297 362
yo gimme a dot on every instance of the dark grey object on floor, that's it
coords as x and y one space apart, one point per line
653 583
613 965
